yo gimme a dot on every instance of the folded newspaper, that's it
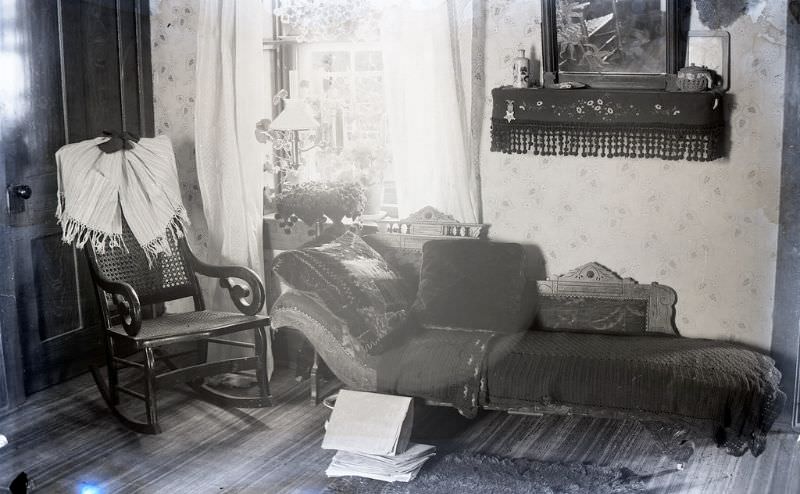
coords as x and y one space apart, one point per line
403 467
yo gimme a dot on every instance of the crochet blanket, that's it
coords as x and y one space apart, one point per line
442 365
729 388
138 180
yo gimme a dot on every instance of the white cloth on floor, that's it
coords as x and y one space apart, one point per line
96 188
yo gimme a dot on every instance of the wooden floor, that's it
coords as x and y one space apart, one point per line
64 439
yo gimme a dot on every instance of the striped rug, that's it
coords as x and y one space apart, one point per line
65 438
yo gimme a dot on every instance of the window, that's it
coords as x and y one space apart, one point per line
337 69
343 84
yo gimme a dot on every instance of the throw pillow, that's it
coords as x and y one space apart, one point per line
474 284
356 284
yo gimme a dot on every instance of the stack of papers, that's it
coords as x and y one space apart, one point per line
371 432
400 468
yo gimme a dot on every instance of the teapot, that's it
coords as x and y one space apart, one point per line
695 79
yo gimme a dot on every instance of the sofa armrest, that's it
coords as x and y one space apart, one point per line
328 334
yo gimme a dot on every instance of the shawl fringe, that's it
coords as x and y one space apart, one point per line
79 234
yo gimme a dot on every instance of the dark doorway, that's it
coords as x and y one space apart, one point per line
72 68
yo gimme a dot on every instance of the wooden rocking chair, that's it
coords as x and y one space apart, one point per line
123 277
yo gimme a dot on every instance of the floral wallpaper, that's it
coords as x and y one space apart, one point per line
173 39
174 48
709 230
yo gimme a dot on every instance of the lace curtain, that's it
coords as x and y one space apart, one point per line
230 100
433 59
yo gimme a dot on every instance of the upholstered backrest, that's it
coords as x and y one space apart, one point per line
594 299
169 277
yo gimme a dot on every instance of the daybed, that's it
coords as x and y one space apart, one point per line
600 344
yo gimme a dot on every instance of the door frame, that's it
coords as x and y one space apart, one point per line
12 388
786 311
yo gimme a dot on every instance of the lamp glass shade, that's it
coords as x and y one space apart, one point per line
296 115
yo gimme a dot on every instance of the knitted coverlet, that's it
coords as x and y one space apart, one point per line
727 385
443 365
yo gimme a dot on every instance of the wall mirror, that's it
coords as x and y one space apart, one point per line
613 43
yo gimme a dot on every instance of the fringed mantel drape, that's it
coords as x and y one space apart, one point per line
608 123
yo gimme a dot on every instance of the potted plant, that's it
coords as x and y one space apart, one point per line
315 202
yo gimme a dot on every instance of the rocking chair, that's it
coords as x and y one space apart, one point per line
124 277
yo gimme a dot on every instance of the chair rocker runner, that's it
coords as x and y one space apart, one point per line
124 277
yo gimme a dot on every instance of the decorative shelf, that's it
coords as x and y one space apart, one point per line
608 123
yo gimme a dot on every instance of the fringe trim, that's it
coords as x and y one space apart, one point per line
78 233
700 143
161 243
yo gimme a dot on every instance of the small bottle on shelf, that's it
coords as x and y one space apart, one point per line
520 68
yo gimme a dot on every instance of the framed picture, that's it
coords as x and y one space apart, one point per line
712 50
613 43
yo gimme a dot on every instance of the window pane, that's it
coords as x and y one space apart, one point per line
331 61
369 61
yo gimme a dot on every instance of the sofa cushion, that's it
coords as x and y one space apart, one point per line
356 284
474 284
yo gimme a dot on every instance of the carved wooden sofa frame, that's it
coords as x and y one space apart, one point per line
400 242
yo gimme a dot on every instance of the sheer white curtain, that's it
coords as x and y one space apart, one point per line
428 105
230 100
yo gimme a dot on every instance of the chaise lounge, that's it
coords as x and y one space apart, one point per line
587 342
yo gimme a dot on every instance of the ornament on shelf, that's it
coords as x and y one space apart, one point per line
520 68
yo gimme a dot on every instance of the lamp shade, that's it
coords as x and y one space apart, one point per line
296 115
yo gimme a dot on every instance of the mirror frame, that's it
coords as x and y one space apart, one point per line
676 36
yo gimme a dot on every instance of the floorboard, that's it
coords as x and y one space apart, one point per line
64 438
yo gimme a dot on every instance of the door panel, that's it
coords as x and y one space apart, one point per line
70 84
56 309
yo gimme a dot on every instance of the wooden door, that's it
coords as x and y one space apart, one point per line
74 68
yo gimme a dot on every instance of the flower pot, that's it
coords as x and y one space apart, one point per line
374 194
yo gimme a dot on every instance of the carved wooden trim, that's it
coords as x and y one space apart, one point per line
431 222
594 280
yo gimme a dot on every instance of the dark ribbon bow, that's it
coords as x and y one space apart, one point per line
118 141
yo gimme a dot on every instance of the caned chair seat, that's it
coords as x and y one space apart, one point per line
127 279
192 325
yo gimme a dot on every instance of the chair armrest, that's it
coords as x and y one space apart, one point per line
238 292
126 300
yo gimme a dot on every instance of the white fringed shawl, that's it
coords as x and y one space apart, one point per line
96 188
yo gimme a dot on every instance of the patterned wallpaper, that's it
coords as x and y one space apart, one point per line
708 230
174 49
173 38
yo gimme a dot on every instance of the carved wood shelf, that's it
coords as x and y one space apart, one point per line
429 221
